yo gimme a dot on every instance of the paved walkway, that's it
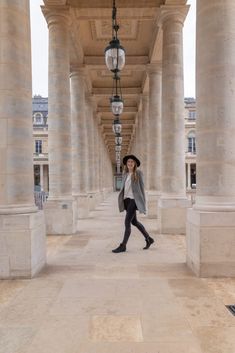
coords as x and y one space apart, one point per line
89 300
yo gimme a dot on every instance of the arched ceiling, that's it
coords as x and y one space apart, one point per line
140 35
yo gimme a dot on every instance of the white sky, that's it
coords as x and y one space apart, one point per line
39 34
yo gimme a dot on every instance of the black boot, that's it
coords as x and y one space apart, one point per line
149 241
120 248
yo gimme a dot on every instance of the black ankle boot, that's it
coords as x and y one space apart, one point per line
149 241
120 248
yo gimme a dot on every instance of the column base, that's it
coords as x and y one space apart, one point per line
152 204
99 197
211 243
172 215
82 206
22 245
92 200
60 216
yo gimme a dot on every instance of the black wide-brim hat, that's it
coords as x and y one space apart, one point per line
131 156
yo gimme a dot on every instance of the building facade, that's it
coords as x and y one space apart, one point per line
40 136
40 143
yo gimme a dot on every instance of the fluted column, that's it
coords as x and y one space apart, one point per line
90 150
145 134
211 227
138 135
173 202
154 141
79 141
22 226
61 208
97 156
101 161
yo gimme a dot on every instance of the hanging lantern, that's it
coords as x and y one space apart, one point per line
115 56
114 53
116 99
117 126
118 139
116 105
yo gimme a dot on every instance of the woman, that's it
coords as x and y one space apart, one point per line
132 198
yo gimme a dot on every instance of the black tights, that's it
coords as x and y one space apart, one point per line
130 207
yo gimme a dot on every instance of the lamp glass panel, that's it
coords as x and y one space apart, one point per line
115 59
117 128
117 107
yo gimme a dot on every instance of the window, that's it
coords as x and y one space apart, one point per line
192 142
38 119
38 146
192 115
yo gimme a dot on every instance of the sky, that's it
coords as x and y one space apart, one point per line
39 44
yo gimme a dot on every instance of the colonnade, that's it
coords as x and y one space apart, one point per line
72 127
80 167
80 173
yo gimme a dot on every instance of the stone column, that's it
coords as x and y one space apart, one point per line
60 209
96 164
138 136
79 141
101 162
173 203
154 141
90 150
22 226
45 176
145 135
211 222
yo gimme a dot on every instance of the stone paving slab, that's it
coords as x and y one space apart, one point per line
89 300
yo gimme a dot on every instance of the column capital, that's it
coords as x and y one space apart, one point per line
56 15
78 70
173 14
154 68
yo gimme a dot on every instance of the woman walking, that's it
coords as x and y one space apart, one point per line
132 198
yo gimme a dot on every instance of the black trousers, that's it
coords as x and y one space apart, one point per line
130 207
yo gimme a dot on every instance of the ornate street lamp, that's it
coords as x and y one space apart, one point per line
117 126
116 99
118 139
114 53
115 61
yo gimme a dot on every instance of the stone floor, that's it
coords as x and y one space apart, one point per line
89 300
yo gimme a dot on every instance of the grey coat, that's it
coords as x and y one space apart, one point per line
138 192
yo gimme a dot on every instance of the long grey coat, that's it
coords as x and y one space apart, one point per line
138 192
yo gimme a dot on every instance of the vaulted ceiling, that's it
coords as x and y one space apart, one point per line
139 34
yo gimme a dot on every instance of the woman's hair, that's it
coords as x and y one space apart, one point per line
135 176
